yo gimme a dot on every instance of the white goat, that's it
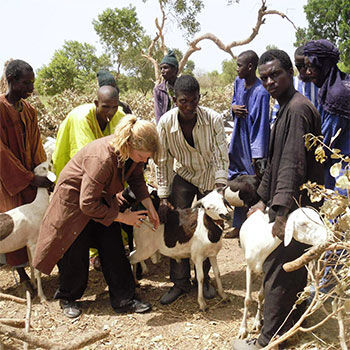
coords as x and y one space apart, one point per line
303 224
194 233
19 227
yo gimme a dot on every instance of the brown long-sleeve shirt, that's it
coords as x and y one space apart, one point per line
289 163
21 150
85 191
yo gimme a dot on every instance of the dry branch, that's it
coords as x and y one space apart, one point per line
27 319
13 322
21 335
312 254
89 339
13 298
193 45
45 344
262 13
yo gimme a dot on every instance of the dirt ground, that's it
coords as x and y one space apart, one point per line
180 326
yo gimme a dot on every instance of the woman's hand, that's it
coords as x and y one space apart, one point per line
132 218
121 200
152 212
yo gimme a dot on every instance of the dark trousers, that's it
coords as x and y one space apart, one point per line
182 195
281 289
74 265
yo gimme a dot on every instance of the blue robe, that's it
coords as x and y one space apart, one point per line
250 135
309 90
330 124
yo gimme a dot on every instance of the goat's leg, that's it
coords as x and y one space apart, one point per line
214 265
41 294
200 279
36 273
243 328
257 321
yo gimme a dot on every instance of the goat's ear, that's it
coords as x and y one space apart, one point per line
51 176
197 205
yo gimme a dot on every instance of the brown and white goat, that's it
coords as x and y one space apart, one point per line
19 227
194 233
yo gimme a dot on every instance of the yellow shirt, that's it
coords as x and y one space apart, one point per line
78 129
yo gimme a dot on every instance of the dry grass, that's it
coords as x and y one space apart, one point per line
180 326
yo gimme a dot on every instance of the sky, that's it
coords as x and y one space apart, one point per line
34 29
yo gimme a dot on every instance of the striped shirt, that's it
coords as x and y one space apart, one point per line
202 165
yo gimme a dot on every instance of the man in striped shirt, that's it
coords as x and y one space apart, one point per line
192 162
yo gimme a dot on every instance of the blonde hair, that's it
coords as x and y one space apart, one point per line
134 133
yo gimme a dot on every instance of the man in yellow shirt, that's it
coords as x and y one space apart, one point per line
86 123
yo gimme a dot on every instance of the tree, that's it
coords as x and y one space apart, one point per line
120 31
184 13
229 71
328 19
71 67
193 45
271 47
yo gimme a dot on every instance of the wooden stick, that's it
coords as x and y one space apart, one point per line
312 254
27 319
30 339
38 342
13 322
88 339
13 298
342 340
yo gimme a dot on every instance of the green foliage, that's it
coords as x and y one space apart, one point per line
271 47
328 19
120 32
190 65
229 71
189 68
185 13
71 67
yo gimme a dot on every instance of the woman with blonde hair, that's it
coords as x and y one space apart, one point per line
84 212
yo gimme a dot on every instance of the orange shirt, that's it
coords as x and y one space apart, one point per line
21 150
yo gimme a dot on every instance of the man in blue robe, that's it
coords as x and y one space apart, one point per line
250 136
321 58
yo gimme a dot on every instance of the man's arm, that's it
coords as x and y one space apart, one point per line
220 151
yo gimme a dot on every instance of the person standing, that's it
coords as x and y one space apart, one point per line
21 150
194 138
250 135
163 93
321 58
290 164
84 212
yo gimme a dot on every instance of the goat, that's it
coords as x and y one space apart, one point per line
131 202
303 224
19 227
194 233
241 191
